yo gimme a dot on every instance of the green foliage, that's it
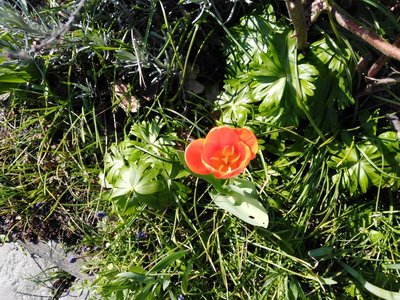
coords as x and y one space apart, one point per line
335 65
367 163
12 75
141 171
240 199
278 80
325 152
273 81
267 72
141 284
273 84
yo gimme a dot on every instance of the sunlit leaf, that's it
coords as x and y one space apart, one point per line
365 164
235 105
241 201
270 78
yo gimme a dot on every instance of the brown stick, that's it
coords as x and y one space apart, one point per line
64 28
377 86
365 33
380 62
296 14
356 28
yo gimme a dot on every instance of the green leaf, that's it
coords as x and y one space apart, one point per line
235 104
242 203
167 261
185 277
361 165
264 67
376 236
137 277
336 58
390 141
145 292
152 187
243 187
14 77
249 39
125 183
324 252
391 266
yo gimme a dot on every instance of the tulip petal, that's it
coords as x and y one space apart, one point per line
248 137
222 136
225 152
193 159
216 140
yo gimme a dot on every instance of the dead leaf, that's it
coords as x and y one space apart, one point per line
129 103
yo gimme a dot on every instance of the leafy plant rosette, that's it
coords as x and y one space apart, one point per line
218 158
143 170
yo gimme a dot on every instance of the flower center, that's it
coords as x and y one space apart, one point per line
226 159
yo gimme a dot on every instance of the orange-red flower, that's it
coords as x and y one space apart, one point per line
225 152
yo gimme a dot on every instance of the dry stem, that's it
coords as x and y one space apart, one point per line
356 28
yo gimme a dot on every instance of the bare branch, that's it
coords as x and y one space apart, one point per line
57 35
356 28
377 86
381 61
296 14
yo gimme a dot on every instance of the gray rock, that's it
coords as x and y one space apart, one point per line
26 267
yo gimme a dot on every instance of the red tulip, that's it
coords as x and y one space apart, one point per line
224 153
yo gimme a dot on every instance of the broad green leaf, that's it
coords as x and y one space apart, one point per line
14 77
125 183
336 58
391 266
152 187
243 187
145 292
390 141
375 236
127 203
361 165
235 105
275 80
243 206
294 290
125 55
321 252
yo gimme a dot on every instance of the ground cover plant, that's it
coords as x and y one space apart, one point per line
206 149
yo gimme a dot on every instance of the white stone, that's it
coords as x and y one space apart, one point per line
23 275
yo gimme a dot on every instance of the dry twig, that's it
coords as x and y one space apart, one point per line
356 28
